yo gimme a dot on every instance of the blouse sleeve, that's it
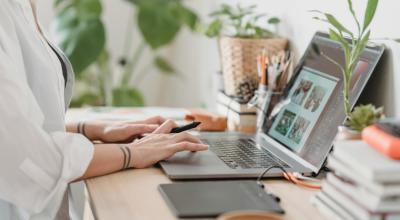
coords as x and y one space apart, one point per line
35 166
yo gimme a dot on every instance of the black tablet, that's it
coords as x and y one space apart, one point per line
211 198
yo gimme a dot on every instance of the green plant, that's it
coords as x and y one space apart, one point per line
363 116
353 48
81 34
241 22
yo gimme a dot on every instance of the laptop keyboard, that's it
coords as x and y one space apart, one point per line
242 153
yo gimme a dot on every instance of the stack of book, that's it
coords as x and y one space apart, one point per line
240 117
364 185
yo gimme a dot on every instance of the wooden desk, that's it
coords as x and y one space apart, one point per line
133 194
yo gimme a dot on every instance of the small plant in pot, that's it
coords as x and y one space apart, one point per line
363 115
243 34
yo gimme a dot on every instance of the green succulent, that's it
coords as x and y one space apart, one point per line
363 116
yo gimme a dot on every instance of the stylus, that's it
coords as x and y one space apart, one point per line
185 127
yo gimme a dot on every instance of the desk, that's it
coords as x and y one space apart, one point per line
133 195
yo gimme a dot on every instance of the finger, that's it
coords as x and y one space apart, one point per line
156 120
188 146
185 136
166 127
152 120
140 129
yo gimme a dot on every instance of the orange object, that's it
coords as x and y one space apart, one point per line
209 121
290 177
385 143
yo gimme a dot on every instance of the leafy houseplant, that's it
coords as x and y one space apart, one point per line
243 35
81 34
354 48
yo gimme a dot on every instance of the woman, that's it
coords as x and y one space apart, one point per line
39 154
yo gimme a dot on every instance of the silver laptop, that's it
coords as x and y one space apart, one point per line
300 133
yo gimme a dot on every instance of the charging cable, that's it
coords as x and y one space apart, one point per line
295 178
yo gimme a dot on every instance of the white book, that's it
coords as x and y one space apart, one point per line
365 197
225 100
238 119
330 208
367 161
353 207
344 170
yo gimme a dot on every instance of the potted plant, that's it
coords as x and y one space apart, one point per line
80 33
352 51
243 35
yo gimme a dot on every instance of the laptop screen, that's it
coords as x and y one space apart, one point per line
306 119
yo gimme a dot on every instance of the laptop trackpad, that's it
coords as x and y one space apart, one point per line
204 158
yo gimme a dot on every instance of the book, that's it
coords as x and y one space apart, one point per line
344 170
243 119
234 105
362 195
330 208
352 207
368 162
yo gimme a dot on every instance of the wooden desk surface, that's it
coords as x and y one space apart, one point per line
133 195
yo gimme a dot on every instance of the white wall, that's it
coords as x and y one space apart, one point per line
197 59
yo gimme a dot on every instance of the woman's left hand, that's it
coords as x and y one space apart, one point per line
120 132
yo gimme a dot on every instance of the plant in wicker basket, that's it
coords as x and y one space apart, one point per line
243 35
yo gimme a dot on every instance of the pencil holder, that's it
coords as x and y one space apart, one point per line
267 106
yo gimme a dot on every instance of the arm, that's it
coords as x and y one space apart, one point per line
109 158
112 132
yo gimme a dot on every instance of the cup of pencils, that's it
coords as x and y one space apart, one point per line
275 73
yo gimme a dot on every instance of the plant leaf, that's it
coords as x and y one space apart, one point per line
335 23
80 33
163 65
359 49
185 16
274 20
124 96
158 25
345 45
214 29
370 13
351 8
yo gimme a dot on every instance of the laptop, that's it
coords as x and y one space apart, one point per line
300 132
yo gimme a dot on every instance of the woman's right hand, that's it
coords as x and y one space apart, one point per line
161 145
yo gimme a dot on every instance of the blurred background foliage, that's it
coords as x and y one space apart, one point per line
81 34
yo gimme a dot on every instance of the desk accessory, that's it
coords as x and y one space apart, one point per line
365 186
384 136
210 121
186 127
240 117
275 73
210 199
240 44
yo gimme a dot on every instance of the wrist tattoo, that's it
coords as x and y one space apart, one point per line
127 156
81 128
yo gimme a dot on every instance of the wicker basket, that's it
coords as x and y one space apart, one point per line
238 57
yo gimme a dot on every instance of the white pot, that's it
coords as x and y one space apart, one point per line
345 133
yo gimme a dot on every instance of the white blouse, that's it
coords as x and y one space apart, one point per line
38 158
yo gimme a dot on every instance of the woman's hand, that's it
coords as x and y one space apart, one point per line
161 145
157 146
120 132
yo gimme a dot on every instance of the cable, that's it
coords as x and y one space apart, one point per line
290 177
